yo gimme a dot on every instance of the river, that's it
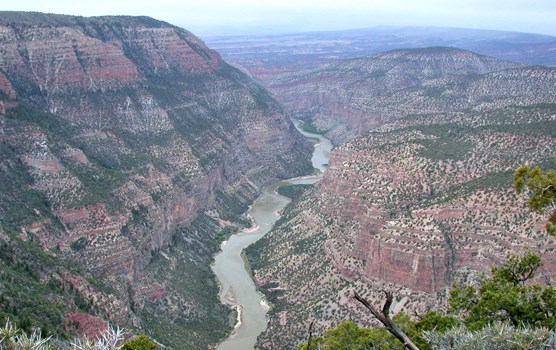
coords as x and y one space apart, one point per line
237 288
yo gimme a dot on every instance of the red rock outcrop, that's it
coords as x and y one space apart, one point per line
6 87
40 58
85 325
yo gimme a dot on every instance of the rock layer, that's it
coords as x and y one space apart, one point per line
119 132
421 201
350 97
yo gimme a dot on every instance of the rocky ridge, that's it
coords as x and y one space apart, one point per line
421 201
350 97
116 134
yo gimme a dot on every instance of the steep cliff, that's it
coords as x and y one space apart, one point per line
418 203
116 134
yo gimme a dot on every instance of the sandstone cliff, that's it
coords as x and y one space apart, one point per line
116 133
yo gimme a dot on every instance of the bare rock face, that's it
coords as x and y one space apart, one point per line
116 134
420 202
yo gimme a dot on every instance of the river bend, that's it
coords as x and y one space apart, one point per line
237 289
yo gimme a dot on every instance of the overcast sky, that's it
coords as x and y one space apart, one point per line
220 17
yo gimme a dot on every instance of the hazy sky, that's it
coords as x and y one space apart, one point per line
220 17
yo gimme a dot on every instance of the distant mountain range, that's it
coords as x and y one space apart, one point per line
267 55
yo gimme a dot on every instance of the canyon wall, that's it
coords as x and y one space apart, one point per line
420 202
116 134
349 97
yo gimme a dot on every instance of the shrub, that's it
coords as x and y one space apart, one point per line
141 342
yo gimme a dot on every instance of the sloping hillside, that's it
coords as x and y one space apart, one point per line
422 200
350 97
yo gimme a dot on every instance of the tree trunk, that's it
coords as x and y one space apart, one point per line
310 338
384 318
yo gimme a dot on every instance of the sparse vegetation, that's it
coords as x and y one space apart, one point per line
506 311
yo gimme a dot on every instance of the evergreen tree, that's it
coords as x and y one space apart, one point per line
141 342
507 297
542 188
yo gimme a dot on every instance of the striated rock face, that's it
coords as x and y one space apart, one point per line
350 97
421 201
118 132
424 218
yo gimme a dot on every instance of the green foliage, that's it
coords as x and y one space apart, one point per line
79 244
445 147
542 188
31 293
517 270
225 233
192 329
433 320
310 128
18 199
141 342
430 321
232 208
24 297
505 297
293 192
348 336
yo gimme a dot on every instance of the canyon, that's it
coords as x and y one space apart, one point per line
129 151
127 147
237 286
418 192
350 97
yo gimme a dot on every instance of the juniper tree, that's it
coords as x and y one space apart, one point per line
542 188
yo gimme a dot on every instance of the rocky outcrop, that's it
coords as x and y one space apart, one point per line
124 130
350 97
422 217
6 87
